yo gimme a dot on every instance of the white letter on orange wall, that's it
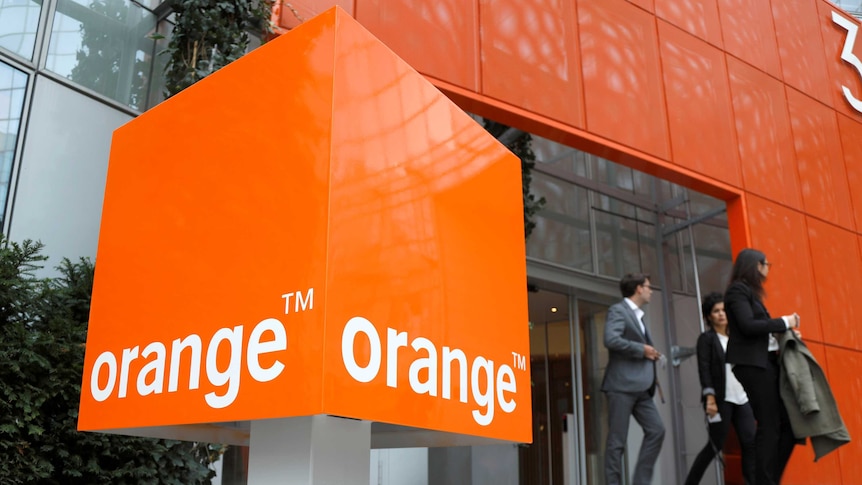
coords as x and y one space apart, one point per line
506 383
193 343
353 327
157 367
232 374
394 341
486 399
106 358
430 363
256 347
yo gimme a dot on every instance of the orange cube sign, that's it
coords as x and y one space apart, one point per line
314 229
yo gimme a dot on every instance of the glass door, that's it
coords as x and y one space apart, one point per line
548 460
593 358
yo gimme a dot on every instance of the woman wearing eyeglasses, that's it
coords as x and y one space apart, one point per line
723 397
752 350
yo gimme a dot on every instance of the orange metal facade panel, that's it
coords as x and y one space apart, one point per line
763 129
846 384
697 17
851 134
531 50
800 48
439 39
822 177
293 12
338 277
695 75
648 5
791 284
622 75
841 72
835 251
749 34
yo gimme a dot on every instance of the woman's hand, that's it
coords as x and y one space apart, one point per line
711 406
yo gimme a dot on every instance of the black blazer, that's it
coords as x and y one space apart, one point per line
749 326
710 366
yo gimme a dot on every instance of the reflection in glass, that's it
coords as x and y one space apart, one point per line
551 354
104 46
624 242
18 22
562 232
13 84
852 6
594 358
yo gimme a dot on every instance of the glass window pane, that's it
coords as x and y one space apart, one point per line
18 22
561 156
619 241
562 232
13 84
852 6
714 257
105 46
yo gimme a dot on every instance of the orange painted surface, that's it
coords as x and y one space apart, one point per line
834 251
290 13
322 250
851 133
697 17
844 368
648 5
412 27
822 177
791 286
749 34
695 75
763 130
741 100
530 49
617 40
800 48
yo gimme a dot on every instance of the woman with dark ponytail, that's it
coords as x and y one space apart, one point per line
752 351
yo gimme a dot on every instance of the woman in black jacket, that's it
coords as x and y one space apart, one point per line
753 352
723 397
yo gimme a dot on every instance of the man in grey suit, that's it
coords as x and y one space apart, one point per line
630 382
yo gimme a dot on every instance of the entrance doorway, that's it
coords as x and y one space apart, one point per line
567 365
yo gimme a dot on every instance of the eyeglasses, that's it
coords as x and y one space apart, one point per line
766 263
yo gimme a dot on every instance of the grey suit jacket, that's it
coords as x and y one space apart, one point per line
628 370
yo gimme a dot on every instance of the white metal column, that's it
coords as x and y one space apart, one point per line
311 450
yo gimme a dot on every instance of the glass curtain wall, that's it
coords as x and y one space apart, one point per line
852 6
105 48
13 85
601 218
19 20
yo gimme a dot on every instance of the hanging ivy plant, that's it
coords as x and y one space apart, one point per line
521 144
210 34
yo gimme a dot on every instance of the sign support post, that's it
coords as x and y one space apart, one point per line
310 450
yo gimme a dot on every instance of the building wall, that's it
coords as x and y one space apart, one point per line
61 184
740 100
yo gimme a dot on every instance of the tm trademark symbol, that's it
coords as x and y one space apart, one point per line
519 361
301 302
